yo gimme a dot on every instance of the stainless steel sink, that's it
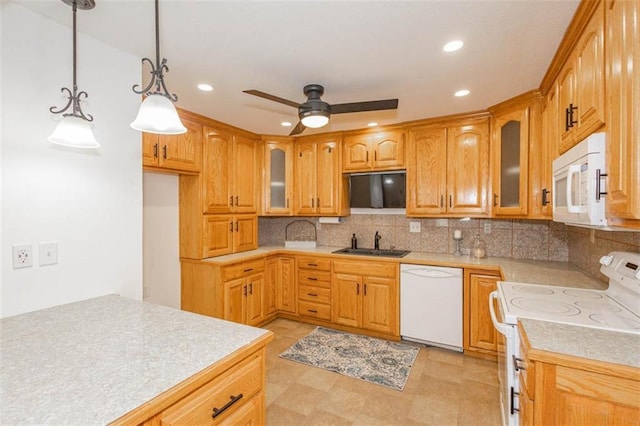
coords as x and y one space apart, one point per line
373 252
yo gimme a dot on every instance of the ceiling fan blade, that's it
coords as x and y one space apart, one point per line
298 129
364 106
272 97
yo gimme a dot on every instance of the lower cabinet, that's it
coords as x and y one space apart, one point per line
243 299
280 288
314 287
479 335
365 295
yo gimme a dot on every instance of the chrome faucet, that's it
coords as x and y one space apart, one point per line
376 241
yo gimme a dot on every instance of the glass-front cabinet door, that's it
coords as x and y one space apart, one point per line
278 182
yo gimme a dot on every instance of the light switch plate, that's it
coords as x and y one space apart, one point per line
442 223
48 253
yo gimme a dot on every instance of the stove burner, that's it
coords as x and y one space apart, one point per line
596 305
582 294
616 321
545 306
532 289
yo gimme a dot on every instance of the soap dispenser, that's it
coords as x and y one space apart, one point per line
354 242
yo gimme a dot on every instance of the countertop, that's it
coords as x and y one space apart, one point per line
90 362
525 271
584 342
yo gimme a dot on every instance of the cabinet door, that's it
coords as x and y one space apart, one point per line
245 177
542 153
566 100
182 152
255 295
216 164
623 122
278 178
590 76
427 171
510 162
388 150
328 178
481 330
380 304
347 299
286 288
356 153
217 235
245 233
305 178
468 169
235 292
271 284
150 149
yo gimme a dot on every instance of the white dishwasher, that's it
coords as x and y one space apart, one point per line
431 305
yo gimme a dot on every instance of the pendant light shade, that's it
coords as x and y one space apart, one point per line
157 114
74 129
74 132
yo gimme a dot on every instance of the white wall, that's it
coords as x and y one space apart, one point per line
90 202
161 270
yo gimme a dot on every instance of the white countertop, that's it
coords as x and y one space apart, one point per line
91 362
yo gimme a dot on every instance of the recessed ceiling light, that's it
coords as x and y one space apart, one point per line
205 87
372 124
452 46
461 93
286 124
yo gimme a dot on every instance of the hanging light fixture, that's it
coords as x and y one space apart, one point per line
157 114
74 129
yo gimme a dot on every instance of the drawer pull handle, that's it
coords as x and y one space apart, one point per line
313 311
218 411
516 365
312 278
312 264
312 294
248 270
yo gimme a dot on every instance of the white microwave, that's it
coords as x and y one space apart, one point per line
579 183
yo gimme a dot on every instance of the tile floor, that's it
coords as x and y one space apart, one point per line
444 388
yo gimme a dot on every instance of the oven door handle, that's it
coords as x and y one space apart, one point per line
574 170
501 327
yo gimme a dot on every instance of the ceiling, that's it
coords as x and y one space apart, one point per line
358 50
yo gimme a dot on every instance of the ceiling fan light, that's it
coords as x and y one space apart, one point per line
75 132
315 119
157 114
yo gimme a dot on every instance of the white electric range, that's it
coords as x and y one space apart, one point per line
616 309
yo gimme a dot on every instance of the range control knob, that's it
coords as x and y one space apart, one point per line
606 260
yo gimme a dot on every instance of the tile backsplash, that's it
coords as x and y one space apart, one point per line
520 239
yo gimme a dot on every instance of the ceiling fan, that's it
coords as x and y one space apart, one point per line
314 112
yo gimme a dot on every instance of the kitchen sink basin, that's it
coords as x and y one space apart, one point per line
373 252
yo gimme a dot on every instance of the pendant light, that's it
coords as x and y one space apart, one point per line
74 129
157 114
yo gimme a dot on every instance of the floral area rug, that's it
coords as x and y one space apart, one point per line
374 360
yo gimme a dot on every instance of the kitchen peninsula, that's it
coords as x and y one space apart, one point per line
115 360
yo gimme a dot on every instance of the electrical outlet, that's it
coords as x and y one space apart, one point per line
48 253
442 223
22 256
414 226
487 228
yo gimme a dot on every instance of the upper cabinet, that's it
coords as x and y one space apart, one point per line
319 187
623 118
230 167
278 176
373 150
448 169
581 85
174 153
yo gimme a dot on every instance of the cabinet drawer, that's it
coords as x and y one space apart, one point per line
374 269
314 310
241 382
314 278
309 262
314 294
241 269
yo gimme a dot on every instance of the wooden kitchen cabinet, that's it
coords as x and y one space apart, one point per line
448 169
479 334
224 234
319 187
365 295
542 152
314 287
623 124
243 299
280 285
581 84
373 151
174 153
278 177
